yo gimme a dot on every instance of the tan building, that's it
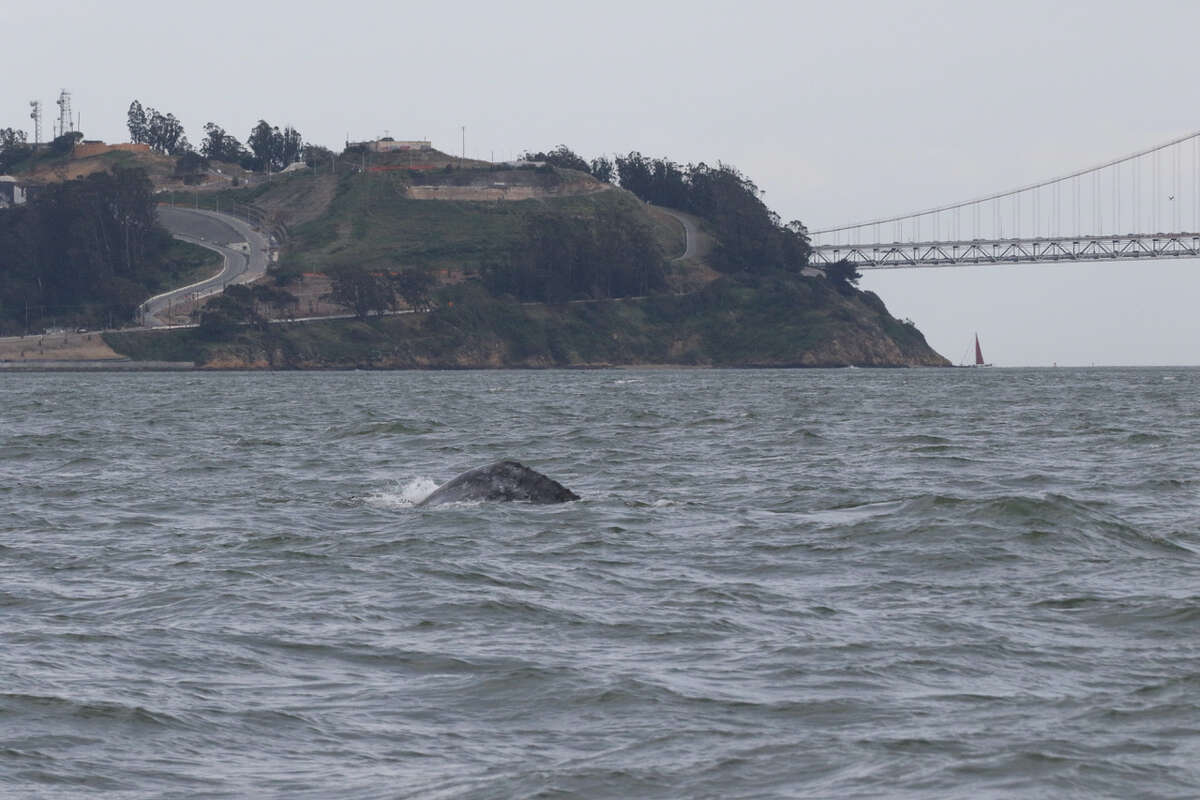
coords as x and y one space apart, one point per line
389 145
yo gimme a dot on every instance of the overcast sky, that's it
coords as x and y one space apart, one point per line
839 111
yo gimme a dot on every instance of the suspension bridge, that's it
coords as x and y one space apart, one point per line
1142 206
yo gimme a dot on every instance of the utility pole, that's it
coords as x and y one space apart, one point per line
464 146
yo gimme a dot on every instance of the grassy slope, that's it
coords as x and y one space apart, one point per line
188 263
372 223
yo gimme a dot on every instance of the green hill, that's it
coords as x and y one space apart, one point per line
532 267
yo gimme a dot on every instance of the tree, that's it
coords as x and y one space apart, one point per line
561 156
561 257
139 128
13 148
289 146
413 286
842 274
360 291
237 305
222 316
603 170
88 250
165 134
634 174
317 156
279 300
750 237
11 137
274 149
220 146
260 143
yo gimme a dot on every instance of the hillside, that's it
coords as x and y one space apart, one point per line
86 252
773 321
446 221
91 158
524 267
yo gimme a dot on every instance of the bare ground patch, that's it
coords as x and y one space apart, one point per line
300 201
60 346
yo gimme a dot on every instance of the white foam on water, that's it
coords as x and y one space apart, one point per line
403 496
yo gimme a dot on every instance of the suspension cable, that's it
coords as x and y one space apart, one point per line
999 195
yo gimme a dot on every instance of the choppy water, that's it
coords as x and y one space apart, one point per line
942 583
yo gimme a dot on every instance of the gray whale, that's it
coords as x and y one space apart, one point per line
502 481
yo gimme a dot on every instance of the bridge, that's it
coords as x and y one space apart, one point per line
1145 205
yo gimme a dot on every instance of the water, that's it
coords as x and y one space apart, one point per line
919 583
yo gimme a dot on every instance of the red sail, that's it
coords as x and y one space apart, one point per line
978 352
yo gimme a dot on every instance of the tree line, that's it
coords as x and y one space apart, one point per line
364 291
560 257
601 168
86 251
163 132
13 148
241 305
267 146
750 237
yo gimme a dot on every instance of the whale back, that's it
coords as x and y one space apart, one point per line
503 481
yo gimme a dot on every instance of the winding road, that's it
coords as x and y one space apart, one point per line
690 239
245 249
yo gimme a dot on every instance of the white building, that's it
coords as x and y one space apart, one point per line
11 192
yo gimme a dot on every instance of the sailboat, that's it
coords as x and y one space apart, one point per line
979 354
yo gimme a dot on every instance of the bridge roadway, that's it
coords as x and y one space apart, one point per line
245 250
1046 250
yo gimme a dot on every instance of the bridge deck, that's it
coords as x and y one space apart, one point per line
1011 251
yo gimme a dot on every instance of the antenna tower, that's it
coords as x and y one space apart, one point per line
36 116
64 113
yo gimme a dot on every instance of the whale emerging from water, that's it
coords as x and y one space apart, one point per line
502 481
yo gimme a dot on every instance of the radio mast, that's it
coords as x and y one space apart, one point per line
64 113
36 116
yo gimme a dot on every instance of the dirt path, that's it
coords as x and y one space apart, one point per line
61 346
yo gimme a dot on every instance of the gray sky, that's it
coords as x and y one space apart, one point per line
839 111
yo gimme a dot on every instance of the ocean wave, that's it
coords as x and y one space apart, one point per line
781 583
